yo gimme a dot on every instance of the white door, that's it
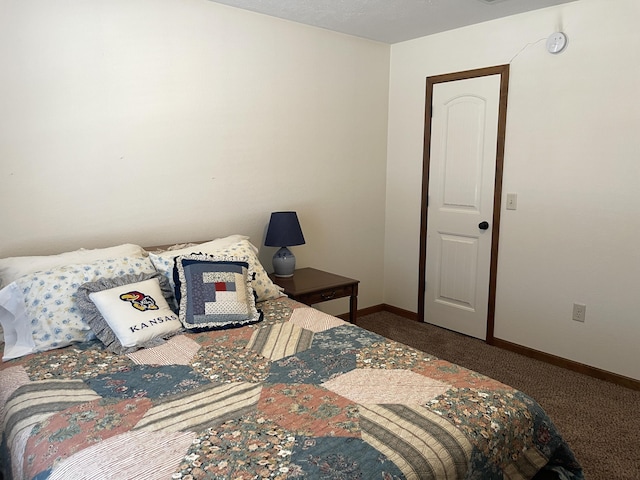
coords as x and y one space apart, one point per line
464 130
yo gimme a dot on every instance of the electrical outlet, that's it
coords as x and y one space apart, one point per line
579 312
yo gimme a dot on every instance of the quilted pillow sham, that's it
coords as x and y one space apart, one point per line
234 245
39 311
214 292
129 312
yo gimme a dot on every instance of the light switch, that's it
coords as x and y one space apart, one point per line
512 201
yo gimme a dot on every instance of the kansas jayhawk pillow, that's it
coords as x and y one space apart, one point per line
136 314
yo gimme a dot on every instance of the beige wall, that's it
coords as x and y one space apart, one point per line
154 121
572 156
171 120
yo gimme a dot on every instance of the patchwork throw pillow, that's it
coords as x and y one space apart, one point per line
214 292
130 312
234 245
39 311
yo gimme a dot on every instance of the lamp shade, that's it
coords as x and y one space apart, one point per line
284 230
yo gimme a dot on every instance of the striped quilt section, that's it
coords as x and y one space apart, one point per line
422 444
125 456
314 320
280 340
527 465
34 402
14 378
42 398
178 350
202 407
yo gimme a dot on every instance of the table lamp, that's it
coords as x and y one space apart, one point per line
284 231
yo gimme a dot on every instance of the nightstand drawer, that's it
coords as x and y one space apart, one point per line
325 295
310 286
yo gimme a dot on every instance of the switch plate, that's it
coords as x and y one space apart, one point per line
579 312
512 201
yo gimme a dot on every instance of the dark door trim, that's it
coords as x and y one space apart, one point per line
503 71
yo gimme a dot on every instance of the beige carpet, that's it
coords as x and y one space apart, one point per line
599 420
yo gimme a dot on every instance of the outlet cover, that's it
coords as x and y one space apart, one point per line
579 312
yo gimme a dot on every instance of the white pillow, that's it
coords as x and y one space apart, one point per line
137 313
206 247
12 268
235 246
15 324
39 311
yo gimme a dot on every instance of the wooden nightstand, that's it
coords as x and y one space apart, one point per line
310 286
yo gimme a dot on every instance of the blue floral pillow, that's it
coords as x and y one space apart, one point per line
40 310
214 292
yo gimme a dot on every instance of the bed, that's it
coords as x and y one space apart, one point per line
255 385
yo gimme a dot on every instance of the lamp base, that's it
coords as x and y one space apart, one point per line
284 263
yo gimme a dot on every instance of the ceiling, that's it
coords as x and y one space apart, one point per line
390 21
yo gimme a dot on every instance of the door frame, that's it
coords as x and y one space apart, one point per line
503 71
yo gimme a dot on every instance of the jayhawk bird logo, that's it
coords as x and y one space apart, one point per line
139 301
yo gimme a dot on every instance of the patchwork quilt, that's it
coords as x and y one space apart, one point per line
299 395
